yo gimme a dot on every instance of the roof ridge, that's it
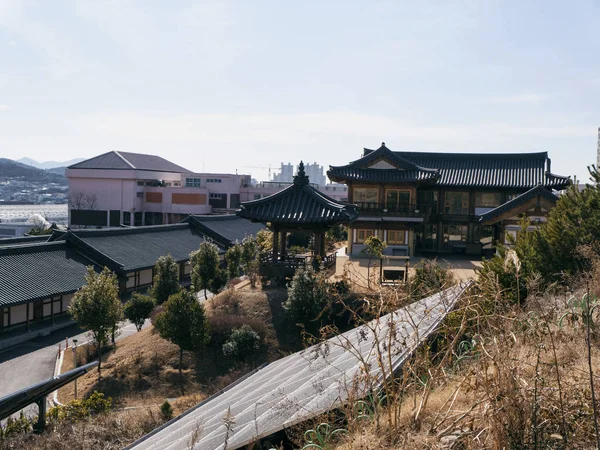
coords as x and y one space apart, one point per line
29 247
124 159
132 230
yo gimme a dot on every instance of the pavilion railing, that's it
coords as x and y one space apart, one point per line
293 263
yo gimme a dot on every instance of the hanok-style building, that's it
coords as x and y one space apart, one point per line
298 208
41 274
444 202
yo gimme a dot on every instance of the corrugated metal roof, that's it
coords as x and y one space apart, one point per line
139 248
226 229
307 383
35 271
298 204
126 161
490 170
516 202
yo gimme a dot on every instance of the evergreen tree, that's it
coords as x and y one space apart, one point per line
166 279
250 259
205 266
308 298
138 309
97 307
183 322
233 258
374 247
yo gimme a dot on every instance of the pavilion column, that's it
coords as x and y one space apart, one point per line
322 244
275 243
27 312
282 238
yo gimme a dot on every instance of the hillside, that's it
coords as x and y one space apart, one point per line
48 164
13 169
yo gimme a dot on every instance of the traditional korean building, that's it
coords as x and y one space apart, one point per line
445 202
299 207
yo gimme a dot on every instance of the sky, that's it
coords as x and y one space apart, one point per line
220 86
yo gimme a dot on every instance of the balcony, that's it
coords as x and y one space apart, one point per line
421 210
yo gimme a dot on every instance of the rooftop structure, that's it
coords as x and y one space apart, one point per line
227 229
126 161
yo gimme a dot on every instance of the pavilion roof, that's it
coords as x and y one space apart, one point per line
300 204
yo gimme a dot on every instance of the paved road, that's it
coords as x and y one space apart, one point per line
33 361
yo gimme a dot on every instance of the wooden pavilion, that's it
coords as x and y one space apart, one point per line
299 207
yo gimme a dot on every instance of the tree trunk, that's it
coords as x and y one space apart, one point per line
205 297
99 360
180 372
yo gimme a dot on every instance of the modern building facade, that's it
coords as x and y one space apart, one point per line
444 202
134 189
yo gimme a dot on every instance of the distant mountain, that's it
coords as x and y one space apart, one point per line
58 170
10 169
49 164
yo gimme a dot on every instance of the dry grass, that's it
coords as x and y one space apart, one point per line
143 368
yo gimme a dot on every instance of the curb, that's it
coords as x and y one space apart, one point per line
57 368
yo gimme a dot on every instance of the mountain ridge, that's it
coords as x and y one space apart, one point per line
48 164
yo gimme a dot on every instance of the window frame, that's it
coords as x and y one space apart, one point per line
391 241
367 232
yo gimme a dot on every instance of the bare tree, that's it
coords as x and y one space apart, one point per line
91 201
76 200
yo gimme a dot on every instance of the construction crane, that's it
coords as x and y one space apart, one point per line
263 167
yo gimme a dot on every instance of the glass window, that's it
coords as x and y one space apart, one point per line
456 203
139 194
395 237
362 235
140 183
429 238
487 199
366 195
193 182
395 198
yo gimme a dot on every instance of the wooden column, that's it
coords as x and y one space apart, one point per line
52 310
1 319
275 243
27 315
283 246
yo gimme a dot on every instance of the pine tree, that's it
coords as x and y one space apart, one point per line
166 279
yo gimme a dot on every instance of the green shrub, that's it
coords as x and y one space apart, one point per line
242 343
166 410
80 409
17 426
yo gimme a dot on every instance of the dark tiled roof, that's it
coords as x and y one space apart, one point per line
298 204
36 271
519 200
226 229
491 170
404 171
23 240
137 248
127 161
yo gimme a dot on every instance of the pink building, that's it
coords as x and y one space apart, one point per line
133 189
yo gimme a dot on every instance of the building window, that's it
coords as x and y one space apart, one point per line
176 184
193 182
366 196
362 235
219 196
140 183
396 199
213 180
456 203
487 199
395 237
257 196
139 194
126 218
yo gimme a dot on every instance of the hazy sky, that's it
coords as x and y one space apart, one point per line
219 86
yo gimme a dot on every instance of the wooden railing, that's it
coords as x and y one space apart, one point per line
288 265
398 210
